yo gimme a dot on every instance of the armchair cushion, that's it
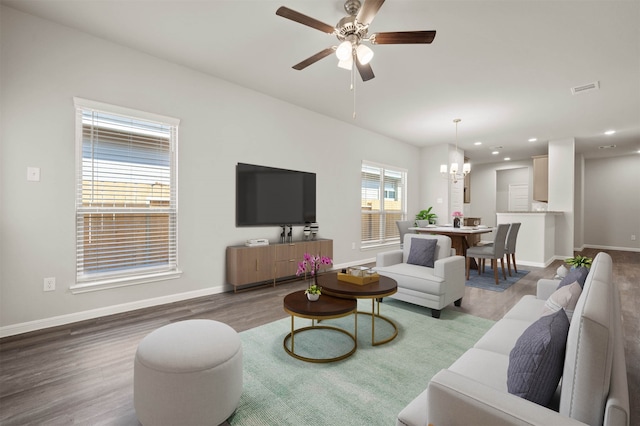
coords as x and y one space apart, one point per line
422 252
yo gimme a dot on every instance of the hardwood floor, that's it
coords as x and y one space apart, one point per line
82 373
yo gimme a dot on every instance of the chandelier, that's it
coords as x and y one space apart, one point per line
454 173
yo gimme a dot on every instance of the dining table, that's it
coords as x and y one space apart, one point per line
459 236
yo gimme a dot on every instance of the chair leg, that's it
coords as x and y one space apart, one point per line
509 264
513 258
494 265
504 274
458 302
468 267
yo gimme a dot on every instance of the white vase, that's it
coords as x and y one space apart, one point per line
313 297
562 271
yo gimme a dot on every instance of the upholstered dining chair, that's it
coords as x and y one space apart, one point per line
493 252
403 228
510 246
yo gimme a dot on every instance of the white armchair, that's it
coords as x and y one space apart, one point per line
433 287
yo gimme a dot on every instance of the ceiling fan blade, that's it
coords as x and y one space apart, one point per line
285 12
368 11
403 37
366 73
313 59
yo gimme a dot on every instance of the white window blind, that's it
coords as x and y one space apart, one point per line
126 194
383 202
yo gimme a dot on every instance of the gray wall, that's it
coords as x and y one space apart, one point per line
612 202
44 65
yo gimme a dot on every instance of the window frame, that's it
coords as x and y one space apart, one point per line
86 281
387 231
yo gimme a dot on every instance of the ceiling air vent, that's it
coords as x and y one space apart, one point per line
585 88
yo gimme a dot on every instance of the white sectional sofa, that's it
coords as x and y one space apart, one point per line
433 287
593 389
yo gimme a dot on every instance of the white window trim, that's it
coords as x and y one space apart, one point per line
115 282
393 242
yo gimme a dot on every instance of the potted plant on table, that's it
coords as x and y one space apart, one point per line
427 215
311 265
313 292
457 219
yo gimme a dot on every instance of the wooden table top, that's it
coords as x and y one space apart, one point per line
449 230
384 287
326 306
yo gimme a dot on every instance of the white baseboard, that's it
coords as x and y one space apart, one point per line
25 327
634 249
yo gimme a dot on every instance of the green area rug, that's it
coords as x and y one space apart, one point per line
369 388
487 281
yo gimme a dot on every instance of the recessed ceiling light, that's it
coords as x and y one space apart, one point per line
609 132
495 152
477 143
507 158
533 139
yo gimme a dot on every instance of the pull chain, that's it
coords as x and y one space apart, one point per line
353 83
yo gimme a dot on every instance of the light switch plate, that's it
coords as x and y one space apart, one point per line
33 174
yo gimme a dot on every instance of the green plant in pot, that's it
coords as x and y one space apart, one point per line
427 215
313 292
579 261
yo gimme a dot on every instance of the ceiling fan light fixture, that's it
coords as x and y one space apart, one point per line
364 53
346 64
344 50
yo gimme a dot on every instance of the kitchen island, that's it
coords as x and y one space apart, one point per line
536 241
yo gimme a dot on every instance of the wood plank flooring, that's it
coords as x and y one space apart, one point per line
82 373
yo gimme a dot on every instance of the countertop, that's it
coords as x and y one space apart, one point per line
532 211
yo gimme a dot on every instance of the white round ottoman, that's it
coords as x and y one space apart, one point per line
188 373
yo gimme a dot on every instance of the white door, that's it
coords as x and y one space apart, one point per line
518 197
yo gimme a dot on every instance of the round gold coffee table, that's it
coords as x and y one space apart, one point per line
327 307
375 291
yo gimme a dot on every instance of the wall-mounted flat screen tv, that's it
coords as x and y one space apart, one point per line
271 196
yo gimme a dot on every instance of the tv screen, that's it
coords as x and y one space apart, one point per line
271 196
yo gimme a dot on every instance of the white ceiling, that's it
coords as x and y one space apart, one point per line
504 67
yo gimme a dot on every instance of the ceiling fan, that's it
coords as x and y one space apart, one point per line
351 31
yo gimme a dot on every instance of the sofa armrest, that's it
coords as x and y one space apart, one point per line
546 288
448 267
389 258
453 399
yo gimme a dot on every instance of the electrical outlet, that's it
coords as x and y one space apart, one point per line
50 284
353 246
633 238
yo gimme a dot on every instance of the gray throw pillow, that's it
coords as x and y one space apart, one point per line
422 252
537 360
575 274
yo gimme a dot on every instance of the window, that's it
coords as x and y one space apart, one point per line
126 200
383 202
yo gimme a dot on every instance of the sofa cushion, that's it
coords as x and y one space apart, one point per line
565 297
537 359
575 274
502 337
527 309
474 364
422 252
